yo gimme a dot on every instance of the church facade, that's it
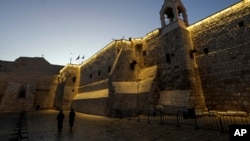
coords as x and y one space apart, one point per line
204 66
28 84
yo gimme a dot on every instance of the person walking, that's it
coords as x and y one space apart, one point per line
60 118
71 118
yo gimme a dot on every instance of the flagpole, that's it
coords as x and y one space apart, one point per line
70 58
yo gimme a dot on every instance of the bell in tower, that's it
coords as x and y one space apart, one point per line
173 10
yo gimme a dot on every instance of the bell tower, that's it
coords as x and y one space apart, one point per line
180 80
171 11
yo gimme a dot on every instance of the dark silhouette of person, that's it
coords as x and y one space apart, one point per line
60 118
71 118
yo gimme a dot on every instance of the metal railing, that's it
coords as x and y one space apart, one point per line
183 118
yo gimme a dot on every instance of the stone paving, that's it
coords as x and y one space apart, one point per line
42 126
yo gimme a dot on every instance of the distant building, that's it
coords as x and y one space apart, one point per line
28 84
204 66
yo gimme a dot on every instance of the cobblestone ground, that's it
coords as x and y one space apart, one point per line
42 126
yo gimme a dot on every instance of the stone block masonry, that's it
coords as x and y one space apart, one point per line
27 83
207 63
222 44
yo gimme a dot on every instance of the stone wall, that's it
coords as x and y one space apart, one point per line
136 94
99 85
92 106
124 70
98 67
36 75
132 72
17 97
68 87
168 53
94 78
222 45
94 102
44 92
176 67
175 98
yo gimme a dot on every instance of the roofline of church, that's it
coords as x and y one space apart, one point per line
25 57
218 12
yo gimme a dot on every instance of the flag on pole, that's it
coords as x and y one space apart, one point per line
78 57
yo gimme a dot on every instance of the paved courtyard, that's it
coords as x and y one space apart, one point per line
42 126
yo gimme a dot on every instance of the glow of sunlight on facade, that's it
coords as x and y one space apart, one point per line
220 14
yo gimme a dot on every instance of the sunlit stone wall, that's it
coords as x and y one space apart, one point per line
222 45
116 63
98 67
208 58
95 78
136 94
68 84
170 50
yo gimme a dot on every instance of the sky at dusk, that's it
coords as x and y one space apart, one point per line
61 29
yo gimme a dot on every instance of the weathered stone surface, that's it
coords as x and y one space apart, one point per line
222 44
175 98
13 101
35 77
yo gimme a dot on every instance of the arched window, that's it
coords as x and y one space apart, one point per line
169 14
182 14
173 10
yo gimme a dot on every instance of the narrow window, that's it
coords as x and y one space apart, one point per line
206 50
99 72
90 76
132 65
168 59
144 53
241 24
22 93
74 79
109 68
